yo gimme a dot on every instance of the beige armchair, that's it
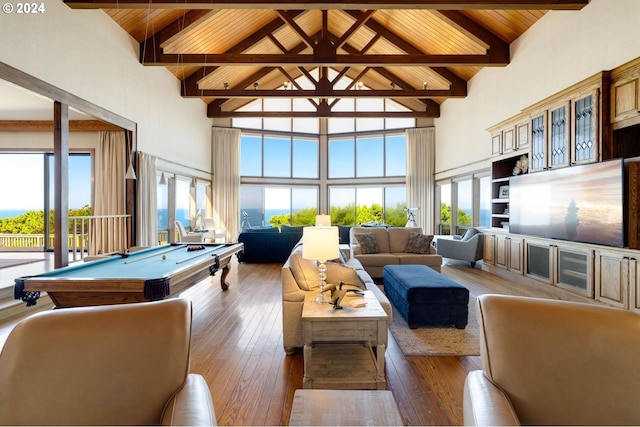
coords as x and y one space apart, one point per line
183 236
549 362
125 364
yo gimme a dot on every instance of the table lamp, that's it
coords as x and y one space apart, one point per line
323 220
320 244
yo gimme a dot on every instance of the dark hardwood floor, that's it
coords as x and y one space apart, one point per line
237 347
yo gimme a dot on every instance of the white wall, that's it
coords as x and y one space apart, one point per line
87 54
561 49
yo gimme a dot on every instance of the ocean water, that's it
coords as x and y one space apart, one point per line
12 213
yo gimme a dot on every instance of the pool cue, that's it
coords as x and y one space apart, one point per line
192 257
152 255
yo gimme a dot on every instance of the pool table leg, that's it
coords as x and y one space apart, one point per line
223 278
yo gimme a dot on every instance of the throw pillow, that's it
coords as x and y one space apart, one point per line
368 243
418 243
305 271
337 273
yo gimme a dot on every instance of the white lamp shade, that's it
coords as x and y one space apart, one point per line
320 243
323 220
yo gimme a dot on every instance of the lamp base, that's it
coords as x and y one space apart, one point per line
322 299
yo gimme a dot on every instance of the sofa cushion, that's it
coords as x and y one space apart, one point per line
378 260
286 228
469 234
305 272
368 243
399 236
420 259
263 230
418 243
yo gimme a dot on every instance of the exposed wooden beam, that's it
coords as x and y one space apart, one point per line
48 126
302 60
319 93
212 112
330 4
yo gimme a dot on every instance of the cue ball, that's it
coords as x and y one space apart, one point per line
164 257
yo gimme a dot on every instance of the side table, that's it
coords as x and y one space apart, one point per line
339 344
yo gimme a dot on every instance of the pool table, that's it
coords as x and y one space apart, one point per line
145 275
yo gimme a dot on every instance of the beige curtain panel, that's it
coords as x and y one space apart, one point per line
420 175
226 180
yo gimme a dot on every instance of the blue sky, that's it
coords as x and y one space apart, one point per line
22 177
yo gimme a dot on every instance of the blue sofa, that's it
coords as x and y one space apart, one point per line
268 245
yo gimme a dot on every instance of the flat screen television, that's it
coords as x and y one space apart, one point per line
578 203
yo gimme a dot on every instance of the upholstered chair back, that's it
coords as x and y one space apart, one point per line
561 363
104 365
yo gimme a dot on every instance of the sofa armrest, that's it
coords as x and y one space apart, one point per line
290 289
355 249
485 404
191 405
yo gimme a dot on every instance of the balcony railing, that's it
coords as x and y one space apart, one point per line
88 235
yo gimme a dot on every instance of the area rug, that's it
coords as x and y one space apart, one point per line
6 263
438 341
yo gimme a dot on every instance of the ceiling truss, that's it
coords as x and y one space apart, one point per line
343 52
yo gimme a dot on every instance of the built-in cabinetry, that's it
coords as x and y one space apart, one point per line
509 146
617 279
566 128
608 275
595 120
560 264
625 93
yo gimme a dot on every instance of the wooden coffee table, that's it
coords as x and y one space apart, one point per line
344 408
339 344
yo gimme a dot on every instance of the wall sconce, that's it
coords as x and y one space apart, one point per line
226 86
424 85
360 85
286 85
392 85
255 86
163 179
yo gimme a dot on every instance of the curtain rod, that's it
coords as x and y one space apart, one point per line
178 164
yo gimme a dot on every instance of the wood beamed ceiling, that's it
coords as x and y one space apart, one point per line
418 53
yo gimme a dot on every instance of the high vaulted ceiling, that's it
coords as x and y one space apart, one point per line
418 53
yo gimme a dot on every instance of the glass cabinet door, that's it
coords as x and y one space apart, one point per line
584 147
538 160
559 137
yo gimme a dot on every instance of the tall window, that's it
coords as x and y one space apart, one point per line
464 205
278 156
183 201
163 210
368 204
464 202
485 202
367 156
360 178
265 205
443 194
24 201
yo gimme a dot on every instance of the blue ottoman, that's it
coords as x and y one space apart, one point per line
425 297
